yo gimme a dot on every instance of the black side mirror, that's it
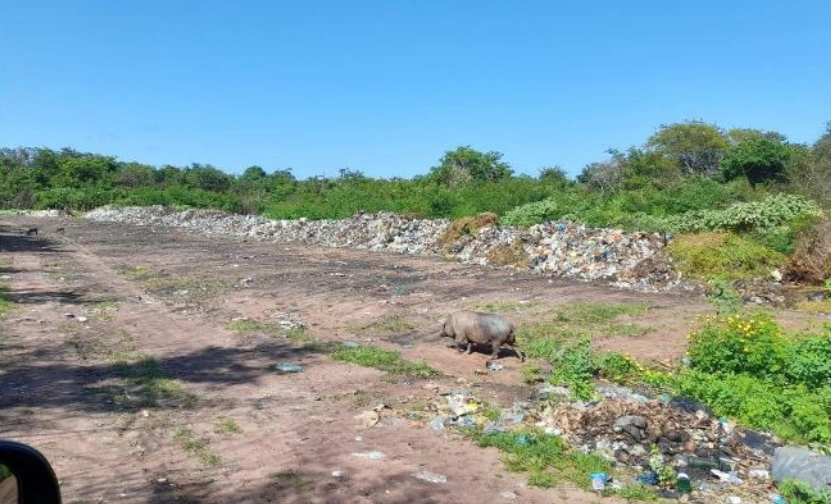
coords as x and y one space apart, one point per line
26 476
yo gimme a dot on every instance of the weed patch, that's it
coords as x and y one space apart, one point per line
391 362
290 480
149 387
723 256
6 305
545 458
197 447
228 426
245 325
393 324
502 306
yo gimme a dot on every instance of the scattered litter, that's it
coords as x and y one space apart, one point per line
338 474
431 477
437 423
760 474
524 440
350 344
493 366
287 367
598 481
682 484
508 495
82 319
462 403
726 477
647 478
370 455
802 465
733 499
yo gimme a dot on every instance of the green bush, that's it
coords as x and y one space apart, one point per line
748 368
722 255
759 216
793 413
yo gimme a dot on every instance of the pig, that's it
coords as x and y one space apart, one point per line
469 328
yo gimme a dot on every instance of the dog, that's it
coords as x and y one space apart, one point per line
32 231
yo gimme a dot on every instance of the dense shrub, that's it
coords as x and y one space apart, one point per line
747 367
761 216
722 255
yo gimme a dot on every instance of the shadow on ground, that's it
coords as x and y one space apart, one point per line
146 383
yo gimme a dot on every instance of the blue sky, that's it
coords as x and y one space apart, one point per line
387 86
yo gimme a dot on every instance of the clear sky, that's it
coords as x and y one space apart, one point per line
386 86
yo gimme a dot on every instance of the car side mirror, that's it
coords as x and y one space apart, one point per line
26 476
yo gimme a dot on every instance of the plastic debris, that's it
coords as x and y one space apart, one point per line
431 477
437 423
493 366
647 478
726 477
462 403
598 481
802 465
287 367
370 455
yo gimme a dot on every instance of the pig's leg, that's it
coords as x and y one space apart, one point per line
495 349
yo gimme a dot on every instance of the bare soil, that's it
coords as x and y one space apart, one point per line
213 421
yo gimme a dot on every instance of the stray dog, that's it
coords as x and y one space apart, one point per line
32 231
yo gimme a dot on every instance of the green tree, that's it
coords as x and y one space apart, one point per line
694 146
132 175
759 159
554 173
84 170
465 165
207 177
602 176
253 173
168 176
809 170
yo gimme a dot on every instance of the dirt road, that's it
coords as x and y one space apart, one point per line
140 361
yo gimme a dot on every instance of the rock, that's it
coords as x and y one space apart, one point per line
802 465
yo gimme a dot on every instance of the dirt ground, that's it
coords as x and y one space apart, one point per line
118 363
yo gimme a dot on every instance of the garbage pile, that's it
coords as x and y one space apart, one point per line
627 260
708 458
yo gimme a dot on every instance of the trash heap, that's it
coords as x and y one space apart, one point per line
721 462
627 260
